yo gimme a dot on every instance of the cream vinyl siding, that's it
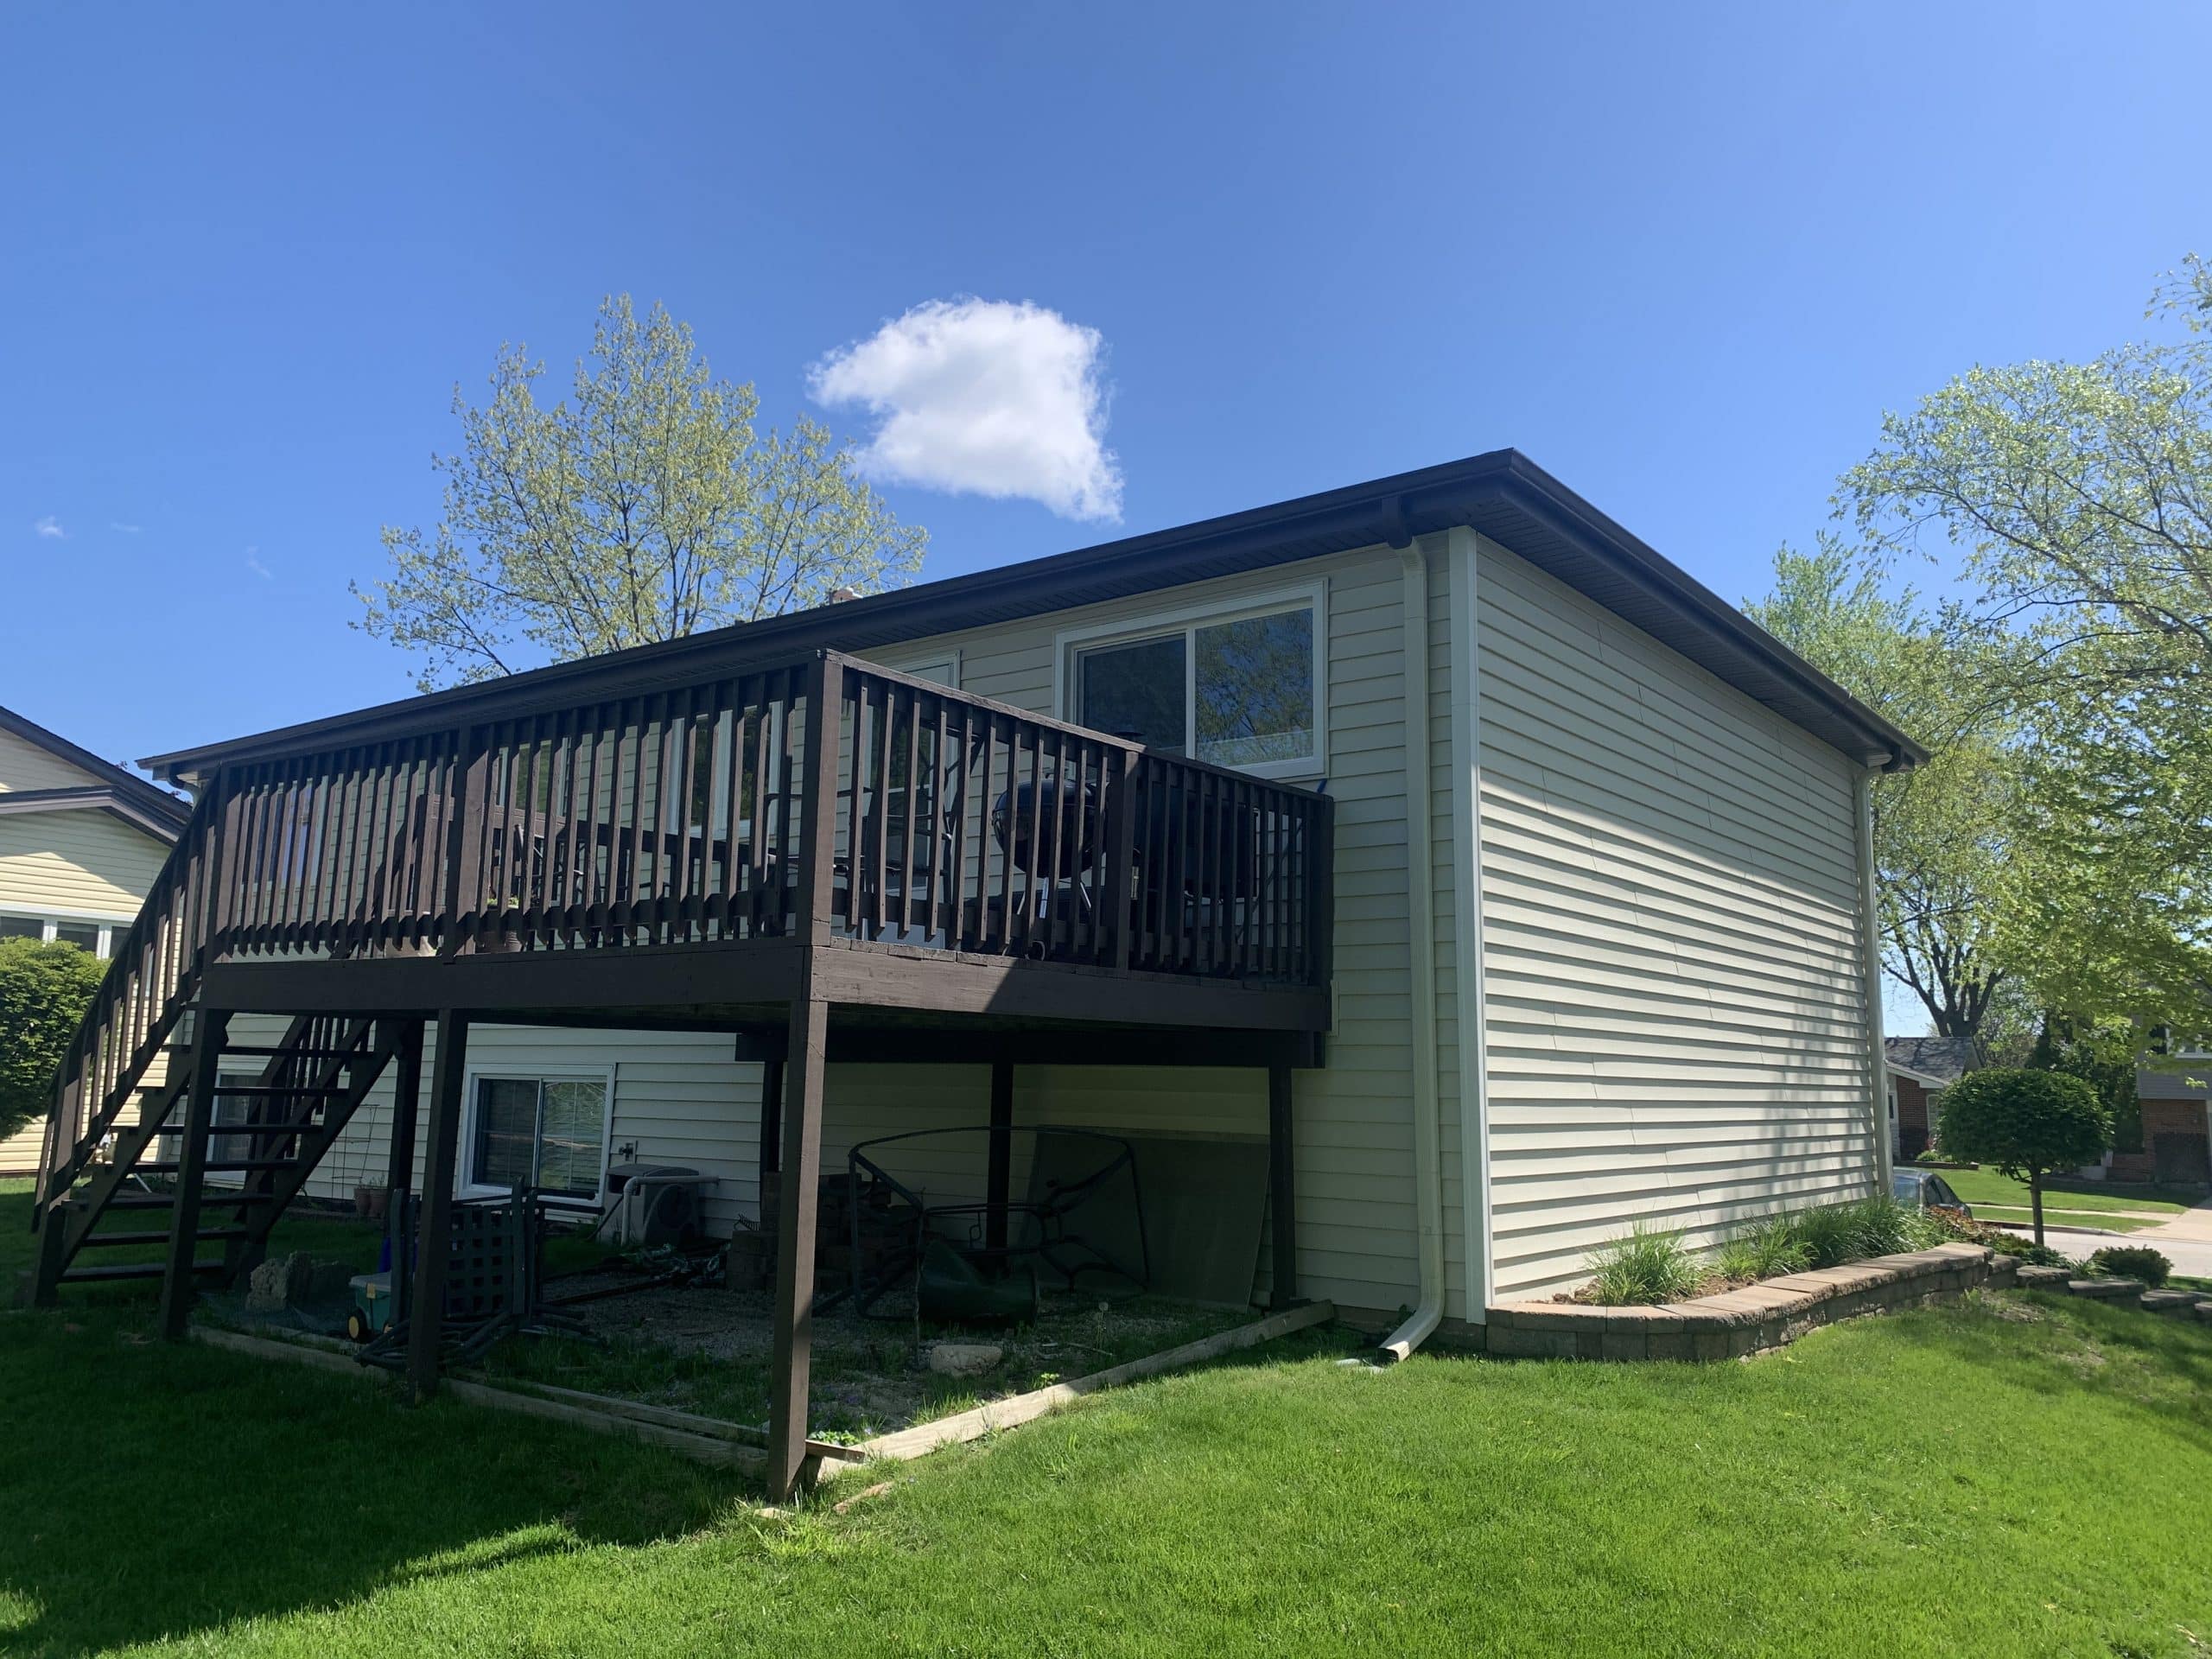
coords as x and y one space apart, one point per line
84 866
1675 992
26 766
76 863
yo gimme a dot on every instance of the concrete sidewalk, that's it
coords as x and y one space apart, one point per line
2186 1240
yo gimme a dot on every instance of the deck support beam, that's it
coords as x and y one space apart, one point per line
434 1239
1282 1190
209 1032
999 1169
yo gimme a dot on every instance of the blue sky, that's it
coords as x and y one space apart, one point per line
1684 257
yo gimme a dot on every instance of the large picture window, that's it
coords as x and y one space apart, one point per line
547 1133
1237 690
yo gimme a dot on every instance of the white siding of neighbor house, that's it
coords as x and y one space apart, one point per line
1674 992
82 865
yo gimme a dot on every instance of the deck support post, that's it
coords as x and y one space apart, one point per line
999 1168
771 1116
209 1032
434 1239
800 1182
406 1108
806 1052
1282 1193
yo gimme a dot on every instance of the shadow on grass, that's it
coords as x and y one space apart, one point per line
2156 1367
156 1489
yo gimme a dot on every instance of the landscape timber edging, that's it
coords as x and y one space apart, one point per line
1769 1314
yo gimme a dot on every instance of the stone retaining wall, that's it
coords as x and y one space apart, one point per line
1766 1315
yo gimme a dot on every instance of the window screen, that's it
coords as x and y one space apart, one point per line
548 1133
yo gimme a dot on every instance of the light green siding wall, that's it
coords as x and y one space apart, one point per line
686 1103
1675 997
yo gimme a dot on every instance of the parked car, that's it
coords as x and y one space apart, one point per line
1925 1190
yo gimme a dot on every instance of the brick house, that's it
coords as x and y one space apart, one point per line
1921 1068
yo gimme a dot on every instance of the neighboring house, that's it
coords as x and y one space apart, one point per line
2176 1126
81 841
1921 1068
1502 882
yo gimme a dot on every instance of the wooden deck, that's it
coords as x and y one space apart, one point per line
818 856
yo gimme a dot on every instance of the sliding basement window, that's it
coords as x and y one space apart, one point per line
549 1133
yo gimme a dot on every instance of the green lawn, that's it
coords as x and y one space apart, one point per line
1981 1186
2021 1476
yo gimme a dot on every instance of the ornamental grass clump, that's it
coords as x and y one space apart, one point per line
1767 1251
1647 1266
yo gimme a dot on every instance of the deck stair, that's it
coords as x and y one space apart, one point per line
115 1167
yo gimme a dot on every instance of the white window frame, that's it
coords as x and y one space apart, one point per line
112 928
943 667
1069 644
466 1187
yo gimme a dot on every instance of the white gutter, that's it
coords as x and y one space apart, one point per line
1468 978
1870 927
1421 944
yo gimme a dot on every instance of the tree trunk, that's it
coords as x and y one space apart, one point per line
2035 1201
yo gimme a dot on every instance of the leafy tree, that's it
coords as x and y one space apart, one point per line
2027 1123
1942 831
44 990
644 507
2104 1055
2081 496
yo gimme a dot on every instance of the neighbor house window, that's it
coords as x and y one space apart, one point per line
86 932
547 1133
1242 689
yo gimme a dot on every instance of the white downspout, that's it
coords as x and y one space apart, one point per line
1421 942
1870 927
1470 1005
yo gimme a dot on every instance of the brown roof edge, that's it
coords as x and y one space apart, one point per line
1501 493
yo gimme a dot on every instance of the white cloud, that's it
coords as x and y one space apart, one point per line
256 565
50 527
984 396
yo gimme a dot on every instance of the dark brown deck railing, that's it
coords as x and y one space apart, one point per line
674 817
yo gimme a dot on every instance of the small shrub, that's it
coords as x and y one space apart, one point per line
2133 1262
1767 1251
44 990
2027 1124
1645 1267
1957 1226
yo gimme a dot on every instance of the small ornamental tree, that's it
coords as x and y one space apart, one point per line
2026 1124
44 990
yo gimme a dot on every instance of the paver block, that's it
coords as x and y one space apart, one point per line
2105 1290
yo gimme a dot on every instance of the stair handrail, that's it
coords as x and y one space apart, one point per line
153 973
